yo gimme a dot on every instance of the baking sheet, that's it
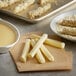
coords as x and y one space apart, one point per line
61 4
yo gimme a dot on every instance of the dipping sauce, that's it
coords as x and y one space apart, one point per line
7 35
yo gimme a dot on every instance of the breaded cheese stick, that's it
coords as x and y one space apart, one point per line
42 2
69 21
5 3
38 45
39 55
46 52
70 37
24 4
39 11
51 42
26 49
67 30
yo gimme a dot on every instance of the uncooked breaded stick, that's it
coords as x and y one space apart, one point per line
67 30
51 42
24 4
39 55
38 45
42 2
5 3
26 49
39 11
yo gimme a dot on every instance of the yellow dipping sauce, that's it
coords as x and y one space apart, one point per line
7 35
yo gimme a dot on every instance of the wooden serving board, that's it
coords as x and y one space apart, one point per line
63 59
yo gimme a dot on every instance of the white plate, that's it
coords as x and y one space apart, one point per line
53 24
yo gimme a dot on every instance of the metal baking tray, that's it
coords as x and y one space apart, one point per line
61 4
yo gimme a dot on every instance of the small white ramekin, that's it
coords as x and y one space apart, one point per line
5 49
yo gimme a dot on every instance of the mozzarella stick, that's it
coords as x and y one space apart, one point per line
42 2
39 11
46 52
66 30
26 49
38 45
52 42
39 55
24 4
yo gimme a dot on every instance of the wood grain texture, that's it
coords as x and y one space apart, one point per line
63 59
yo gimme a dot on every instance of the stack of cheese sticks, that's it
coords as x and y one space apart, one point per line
39 50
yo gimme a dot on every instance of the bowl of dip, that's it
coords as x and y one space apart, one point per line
9 36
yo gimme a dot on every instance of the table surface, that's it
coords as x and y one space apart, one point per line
7 66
